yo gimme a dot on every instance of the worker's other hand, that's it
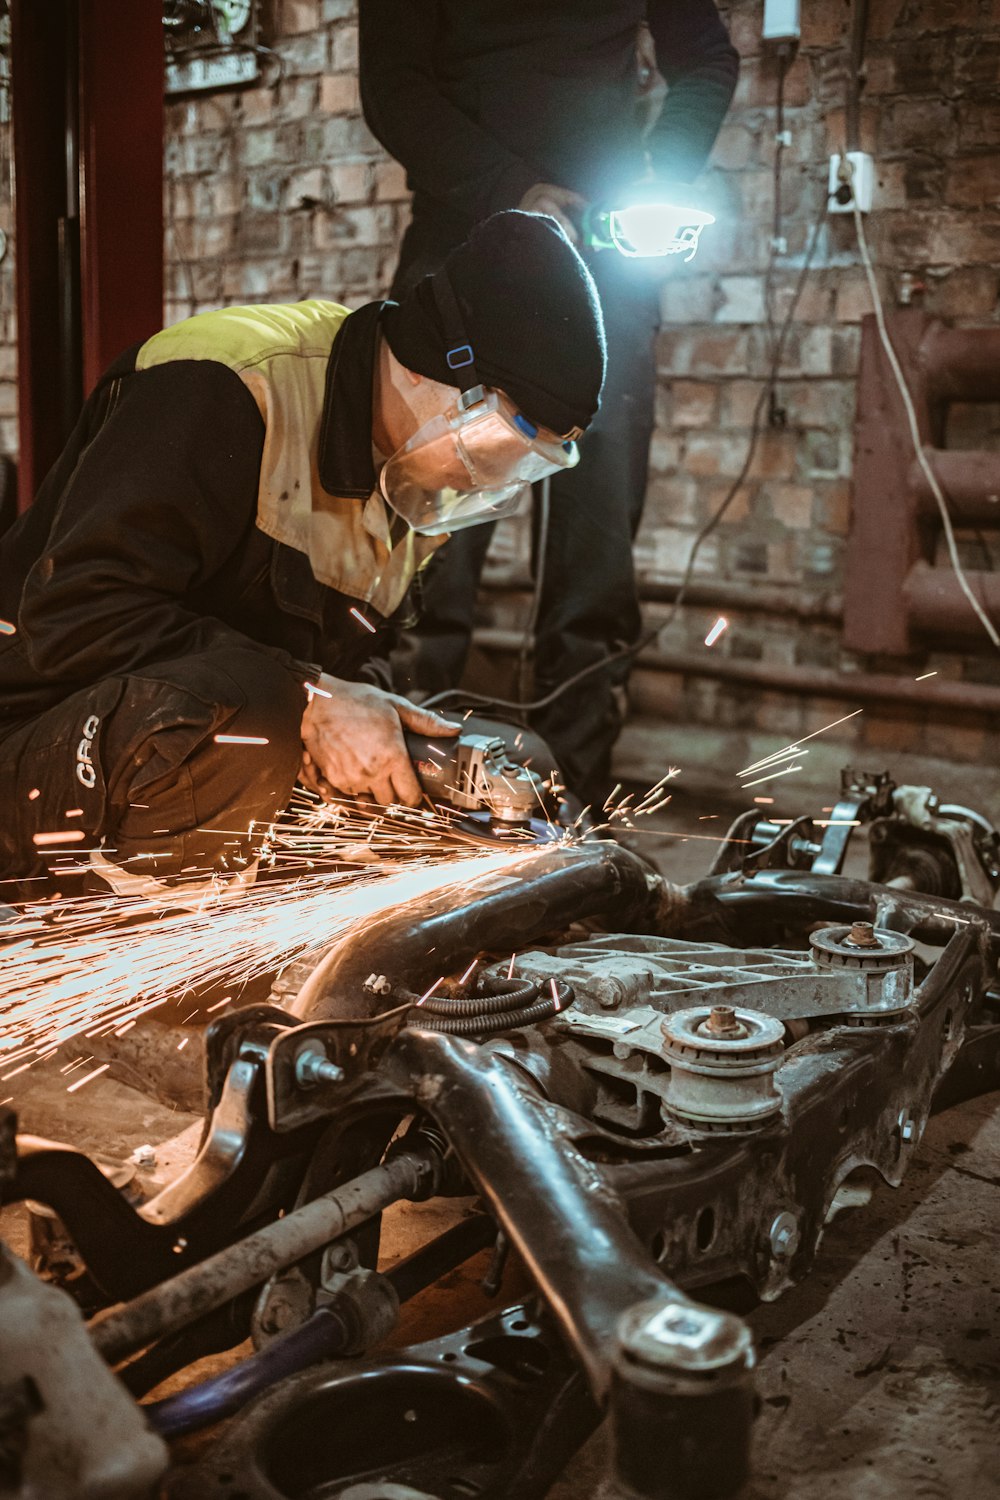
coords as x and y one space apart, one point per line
352 742
563 205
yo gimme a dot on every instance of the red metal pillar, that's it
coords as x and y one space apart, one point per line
121 177
42 67
87 93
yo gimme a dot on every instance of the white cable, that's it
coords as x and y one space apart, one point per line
911 415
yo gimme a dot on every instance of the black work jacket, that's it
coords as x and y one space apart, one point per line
480 101
142 545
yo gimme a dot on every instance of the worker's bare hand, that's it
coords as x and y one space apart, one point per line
563 205
352 742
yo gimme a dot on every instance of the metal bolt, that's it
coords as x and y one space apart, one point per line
313 1067
722 1021
377 984
862 935
785 1235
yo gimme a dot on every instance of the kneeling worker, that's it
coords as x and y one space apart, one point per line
190 603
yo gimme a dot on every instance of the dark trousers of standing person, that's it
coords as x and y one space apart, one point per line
133 763
588 606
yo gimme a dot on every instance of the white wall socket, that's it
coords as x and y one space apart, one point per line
860 186
781 21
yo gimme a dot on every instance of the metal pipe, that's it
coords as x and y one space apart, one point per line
970 480
120 1331
553 886
736 904
575 1241
962 364
711 593
323 1336
962 697
936 605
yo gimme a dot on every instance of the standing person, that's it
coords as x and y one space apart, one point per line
544 107
189 605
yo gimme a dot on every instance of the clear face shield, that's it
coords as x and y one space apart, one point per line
470 464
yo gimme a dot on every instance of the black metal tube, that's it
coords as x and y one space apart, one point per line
735 904
120 1331
576 1243
552 886
321 1337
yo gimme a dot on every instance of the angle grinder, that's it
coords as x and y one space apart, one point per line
474 774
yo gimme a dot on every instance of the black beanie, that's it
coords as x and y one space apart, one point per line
530 312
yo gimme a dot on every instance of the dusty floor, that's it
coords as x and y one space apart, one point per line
879 1375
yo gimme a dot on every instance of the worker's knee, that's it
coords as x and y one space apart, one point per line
198 753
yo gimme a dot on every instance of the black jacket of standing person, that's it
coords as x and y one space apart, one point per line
481 101
547 105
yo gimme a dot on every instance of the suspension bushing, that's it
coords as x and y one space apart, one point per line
882 960
722 1063
681 1402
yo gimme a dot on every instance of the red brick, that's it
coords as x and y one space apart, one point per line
687 299
351 181
345 49
916 124
689 352
739 400
671 501
740 508
338 93
832 506
974 182
735 147
664 453
978 125
969 292
775 455
791 504
824 25
854 300
979 240
708 454
257 105
695 403
836 129
390 181
299 15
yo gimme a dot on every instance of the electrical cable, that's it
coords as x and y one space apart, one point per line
706 530
541 546
847 172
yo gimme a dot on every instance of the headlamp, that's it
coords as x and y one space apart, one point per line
650 226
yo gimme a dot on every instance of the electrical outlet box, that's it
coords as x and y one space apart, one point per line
860 185
781 21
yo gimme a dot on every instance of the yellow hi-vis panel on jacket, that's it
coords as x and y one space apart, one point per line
280 352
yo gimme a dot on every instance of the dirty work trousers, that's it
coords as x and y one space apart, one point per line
132 762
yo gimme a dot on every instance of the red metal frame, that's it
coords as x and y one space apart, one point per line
87 112
893 593
121 177
39 39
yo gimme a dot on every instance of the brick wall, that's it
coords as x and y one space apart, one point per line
280 192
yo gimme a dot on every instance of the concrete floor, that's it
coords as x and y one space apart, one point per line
879 1375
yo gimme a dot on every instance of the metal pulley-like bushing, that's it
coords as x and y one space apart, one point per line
882 961
722 1062
681 1401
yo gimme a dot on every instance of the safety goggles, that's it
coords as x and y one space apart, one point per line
470 464
475 461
